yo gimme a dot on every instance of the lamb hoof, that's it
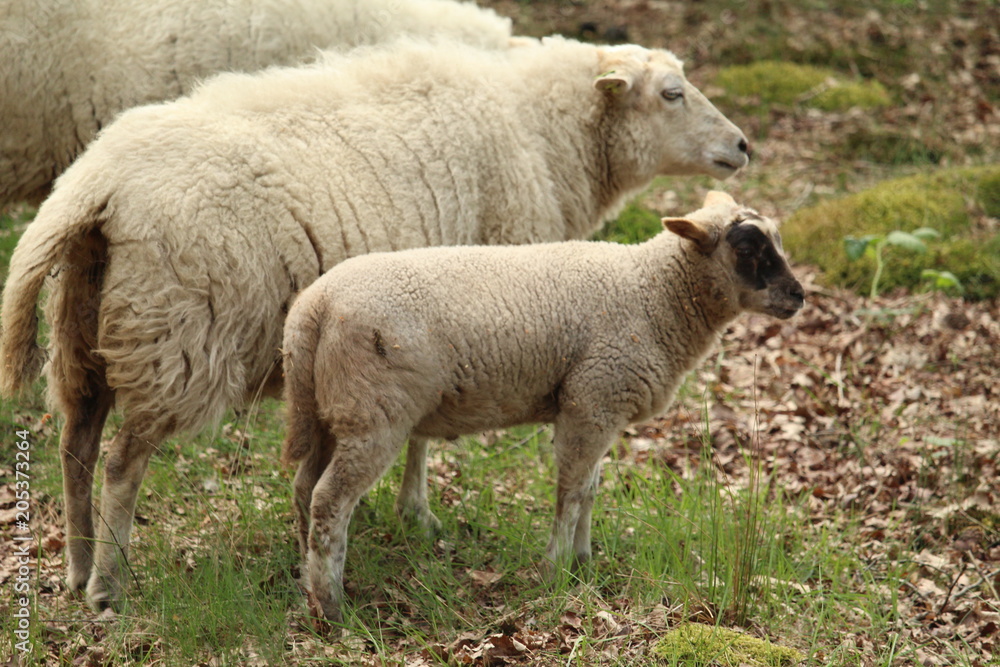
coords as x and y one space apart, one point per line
77 580
99 605
423 519
100 597
108 614
326 620
431 525
552 572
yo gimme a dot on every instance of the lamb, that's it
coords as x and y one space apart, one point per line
78 64
588 336
177 241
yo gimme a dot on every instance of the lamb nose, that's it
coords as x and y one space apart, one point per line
744 147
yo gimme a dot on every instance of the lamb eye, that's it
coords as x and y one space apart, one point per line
672 94
745 251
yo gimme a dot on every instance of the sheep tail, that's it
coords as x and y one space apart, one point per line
303 433
60 221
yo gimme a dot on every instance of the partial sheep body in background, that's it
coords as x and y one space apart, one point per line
69 67
441 342
178 240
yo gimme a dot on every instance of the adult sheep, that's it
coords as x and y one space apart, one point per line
588 336
70 67
177 241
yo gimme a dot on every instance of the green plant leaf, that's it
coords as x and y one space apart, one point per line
906 240
926 233
942 280
854 247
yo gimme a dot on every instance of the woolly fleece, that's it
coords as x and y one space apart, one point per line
70 67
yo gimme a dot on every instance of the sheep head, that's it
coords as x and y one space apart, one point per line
746 248
666 125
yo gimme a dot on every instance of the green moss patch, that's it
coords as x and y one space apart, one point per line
769 82
696 645
635 224
950 201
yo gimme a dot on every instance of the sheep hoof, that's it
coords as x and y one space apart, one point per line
552 572
326 620
100 595
422 518
430 524
100 603
579 561
77 579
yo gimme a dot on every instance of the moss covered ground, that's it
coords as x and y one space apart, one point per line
955 202
700 645
765 83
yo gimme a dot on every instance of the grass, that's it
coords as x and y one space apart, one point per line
11 226
215 556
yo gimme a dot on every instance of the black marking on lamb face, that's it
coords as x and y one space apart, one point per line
757 260
379 343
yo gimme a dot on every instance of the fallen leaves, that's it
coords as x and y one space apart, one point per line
891 418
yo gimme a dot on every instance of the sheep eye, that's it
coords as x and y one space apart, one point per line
672 94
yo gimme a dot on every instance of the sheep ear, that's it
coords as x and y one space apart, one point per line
718 198
705 239
614 82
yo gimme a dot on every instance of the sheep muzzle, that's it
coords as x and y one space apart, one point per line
785 297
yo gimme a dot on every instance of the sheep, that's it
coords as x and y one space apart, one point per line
177 241
440 342
70 67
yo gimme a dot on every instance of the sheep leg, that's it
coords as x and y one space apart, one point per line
306 476
578 459
581 537
124 468
357 463
411 504
79 444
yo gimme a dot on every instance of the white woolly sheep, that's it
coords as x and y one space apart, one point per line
178 239
440 342
70 67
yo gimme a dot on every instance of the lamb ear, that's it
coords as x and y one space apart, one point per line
718 198
704 239
614 82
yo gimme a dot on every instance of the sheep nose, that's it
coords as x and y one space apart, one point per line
744 147
797 293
